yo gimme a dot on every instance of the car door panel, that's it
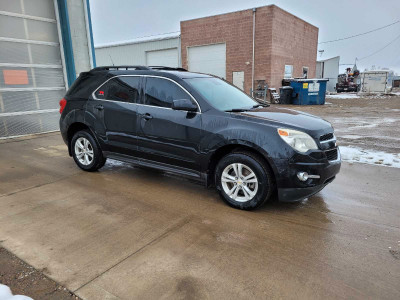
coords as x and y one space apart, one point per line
166 135
170 136
116 114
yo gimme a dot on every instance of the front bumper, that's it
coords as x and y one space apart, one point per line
291 188
298 194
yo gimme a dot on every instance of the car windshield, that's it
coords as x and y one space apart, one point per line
221 94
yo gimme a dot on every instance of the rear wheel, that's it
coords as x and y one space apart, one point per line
243 180
85 151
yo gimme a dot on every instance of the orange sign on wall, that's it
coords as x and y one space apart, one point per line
12 77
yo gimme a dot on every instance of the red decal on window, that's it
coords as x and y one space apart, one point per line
101 93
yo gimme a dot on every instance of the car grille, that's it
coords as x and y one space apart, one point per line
326 137
332 154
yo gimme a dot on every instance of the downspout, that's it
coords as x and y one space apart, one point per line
254 36
179 51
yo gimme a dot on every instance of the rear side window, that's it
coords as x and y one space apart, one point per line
161 92
84 85
123 89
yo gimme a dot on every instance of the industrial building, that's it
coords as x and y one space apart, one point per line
160 50
264 43
329 69
244 47
44 45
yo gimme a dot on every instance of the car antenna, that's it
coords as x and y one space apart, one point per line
111 59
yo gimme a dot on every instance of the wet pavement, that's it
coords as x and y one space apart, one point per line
128 233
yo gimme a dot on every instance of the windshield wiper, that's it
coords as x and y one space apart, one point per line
261 105
237 110
246 109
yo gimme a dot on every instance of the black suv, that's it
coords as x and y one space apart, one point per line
198 126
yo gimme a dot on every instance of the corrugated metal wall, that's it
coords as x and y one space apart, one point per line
329 69
135 53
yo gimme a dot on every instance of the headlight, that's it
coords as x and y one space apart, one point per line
298 140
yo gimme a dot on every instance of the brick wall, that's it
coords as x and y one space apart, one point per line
273 48
294 42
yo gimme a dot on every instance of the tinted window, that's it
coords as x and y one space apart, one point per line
124 89
161 92
220 94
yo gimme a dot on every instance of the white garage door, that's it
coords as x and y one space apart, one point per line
165 58
210 59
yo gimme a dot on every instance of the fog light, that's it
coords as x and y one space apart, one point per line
302 176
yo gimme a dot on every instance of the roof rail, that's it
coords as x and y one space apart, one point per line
106 68
167 68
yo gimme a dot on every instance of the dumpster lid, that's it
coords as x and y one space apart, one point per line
310 79
286 88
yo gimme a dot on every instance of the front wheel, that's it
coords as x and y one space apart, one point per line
85 151
243 180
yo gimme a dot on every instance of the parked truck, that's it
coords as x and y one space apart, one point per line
349 81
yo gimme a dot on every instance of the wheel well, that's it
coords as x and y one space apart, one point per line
74 128
221 152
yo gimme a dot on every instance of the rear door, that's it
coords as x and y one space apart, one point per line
165 135
115 113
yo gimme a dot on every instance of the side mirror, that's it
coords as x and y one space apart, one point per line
184 104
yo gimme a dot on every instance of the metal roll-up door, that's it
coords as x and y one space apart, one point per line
165 57
209 59
32 79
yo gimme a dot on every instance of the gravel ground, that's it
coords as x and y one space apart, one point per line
23 279
371 122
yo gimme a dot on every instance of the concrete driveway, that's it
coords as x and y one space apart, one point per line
126 233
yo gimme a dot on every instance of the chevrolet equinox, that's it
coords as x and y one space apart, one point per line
198 126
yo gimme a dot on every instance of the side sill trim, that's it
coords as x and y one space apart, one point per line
156 165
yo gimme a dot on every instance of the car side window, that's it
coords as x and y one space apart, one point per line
123 89
161 92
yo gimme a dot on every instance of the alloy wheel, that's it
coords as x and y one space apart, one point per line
84 151
239 182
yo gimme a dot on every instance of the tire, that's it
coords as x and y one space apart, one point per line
92 158
261 189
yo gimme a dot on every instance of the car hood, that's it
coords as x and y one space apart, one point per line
288 117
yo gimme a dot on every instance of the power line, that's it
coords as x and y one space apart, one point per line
380 48
356 35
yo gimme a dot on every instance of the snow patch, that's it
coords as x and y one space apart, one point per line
111 163
5 294
372 157
362 95
343 96
352 136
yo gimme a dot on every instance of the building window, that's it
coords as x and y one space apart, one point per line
288 71
305 72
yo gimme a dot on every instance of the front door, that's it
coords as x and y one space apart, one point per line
238 79
115 112
165 135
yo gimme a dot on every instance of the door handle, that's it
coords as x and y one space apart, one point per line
147 116
99 107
